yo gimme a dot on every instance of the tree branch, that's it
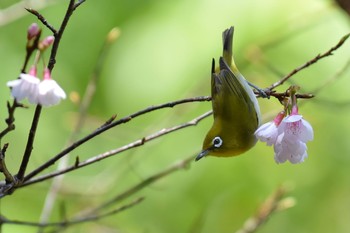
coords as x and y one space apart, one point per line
3 169
275 202
30 141
42 20
65 223
83 108
29 146
11 117
107 154
310 62
71 7
106 127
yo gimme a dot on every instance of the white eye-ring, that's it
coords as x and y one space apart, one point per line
217 142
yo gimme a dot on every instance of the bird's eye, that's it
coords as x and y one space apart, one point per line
217 142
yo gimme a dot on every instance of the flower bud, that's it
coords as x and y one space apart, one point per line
33 31
45 43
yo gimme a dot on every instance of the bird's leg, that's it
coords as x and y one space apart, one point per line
262 93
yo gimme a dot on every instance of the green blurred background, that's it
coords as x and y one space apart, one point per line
163 54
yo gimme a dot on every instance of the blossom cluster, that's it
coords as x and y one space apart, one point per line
45 93
288 135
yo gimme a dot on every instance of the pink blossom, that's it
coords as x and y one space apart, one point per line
46 42
288 136
293 133
33 31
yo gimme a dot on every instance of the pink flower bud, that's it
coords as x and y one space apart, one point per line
32 71
45 43
294 110
33 31
47 74
278 119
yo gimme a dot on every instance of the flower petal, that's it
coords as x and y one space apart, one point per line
292 118
307 133
25 87
50 93
267 133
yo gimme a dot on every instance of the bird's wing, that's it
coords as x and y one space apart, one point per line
231 95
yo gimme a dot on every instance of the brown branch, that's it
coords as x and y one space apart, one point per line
271 205
15 11
11 117
332 79
71 7
83 108
29 146
183 164
32 132
310 62
85 219
109 126
76 5
107 154
286 94
30 49
42 20
3 169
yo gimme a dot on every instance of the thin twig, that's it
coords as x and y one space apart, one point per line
84 105
58 35
29 146
32 132
107 154
85 219
107 127
3 169
310 62
78 3
183 164
275 202
42 19
15 11
11 117
333 78
31 47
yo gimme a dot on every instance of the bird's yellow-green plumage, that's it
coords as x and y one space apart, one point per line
235 108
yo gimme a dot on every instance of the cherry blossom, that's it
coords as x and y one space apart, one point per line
26 86
288 136
268 132
293 133
50 93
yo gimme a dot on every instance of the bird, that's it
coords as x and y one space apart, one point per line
235 107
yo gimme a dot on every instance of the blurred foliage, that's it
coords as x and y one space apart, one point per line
164 53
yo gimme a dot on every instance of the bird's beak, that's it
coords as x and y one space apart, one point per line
202 154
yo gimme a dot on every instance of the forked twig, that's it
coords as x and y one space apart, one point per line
32 132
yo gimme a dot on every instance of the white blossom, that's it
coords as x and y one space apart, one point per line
268 132
25 87
50 93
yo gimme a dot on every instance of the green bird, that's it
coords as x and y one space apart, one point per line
235 108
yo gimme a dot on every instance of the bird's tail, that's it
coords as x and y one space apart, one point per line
227 37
